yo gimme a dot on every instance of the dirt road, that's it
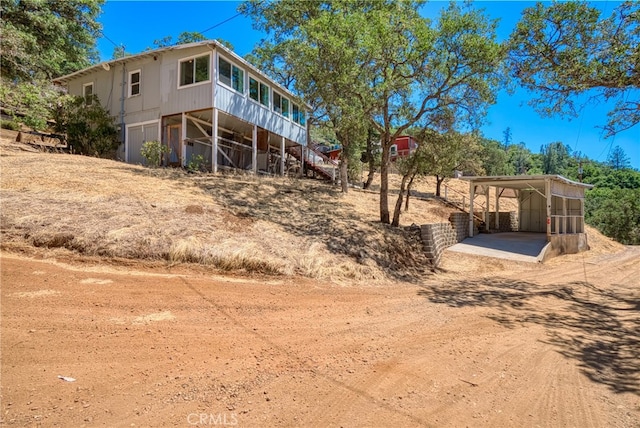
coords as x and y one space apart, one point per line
553 345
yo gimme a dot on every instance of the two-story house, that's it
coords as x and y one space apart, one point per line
198 99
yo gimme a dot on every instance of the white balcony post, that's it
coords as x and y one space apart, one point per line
254 150
471 196
282 159
214 145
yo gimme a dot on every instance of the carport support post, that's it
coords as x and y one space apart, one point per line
282 159
497 208
564 216
547 193
254 149
183 147
214 145
471 195
486 208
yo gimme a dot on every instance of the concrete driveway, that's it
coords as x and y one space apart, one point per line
519 246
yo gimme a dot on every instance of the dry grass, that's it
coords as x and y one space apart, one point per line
94 207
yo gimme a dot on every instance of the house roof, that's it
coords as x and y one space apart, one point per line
106 65
523 181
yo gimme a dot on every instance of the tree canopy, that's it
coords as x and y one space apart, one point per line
383 60
45 39
567 52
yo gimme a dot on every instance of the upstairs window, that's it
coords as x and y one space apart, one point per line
87 93
231 75
194 70
280 104
134 83
258 91
297 115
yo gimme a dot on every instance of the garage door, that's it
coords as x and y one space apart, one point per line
136 136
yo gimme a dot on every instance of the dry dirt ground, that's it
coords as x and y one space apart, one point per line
339 339
536 346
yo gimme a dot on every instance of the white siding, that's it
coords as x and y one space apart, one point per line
241 106
174 99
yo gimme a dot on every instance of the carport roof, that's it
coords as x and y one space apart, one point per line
523 181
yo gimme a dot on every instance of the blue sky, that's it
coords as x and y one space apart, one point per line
136 24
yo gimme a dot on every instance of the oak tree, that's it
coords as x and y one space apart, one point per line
569 54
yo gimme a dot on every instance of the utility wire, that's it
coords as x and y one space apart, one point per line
221 22
112 42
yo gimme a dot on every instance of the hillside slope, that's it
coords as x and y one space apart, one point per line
55 204
62 203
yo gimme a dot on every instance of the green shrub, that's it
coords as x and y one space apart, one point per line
10 124
153 151
89 129
196 164
616 213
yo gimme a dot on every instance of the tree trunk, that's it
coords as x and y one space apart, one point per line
384 184
372 173
439 181
406 204
398 208
343 167
344 172
371 160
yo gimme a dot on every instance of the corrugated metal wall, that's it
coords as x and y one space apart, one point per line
533 212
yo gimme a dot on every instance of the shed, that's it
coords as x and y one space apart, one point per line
549 204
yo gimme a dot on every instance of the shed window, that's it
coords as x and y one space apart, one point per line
134 83
280 104
194 70
87 93
231 75
258 91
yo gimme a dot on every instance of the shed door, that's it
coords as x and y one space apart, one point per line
533 212
136 136
174 133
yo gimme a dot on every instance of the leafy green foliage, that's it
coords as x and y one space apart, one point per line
495 160
519 159
555 158
153 151
29 103
616 213
566 49
10 124
618 159
89 129
196 163
381 62
44 39
119 52
183 38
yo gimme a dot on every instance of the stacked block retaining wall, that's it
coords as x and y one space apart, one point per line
438 236
508 221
